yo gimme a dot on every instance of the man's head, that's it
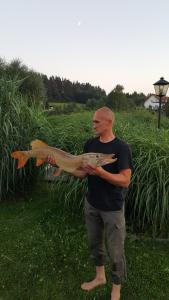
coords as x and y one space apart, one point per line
103 120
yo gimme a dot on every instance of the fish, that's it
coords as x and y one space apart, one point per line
64 160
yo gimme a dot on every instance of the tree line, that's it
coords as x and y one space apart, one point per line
63 90
44 89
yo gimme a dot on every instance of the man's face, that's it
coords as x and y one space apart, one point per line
100 124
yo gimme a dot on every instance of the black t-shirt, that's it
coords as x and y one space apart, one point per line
102 194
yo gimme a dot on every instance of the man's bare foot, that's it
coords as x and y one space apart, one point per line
88 286
115 294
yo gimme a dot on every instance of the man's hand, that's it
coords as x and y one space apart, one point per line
121 179
93 170
50 160
81 173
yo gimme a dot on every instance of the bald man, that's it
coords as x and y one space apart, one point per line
104 205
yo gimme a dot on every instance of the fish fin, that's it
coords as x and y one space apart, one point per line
38 144
57 172
39 162
22 158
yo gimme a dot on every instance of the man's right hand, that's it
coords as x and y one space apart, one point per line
80 173
50 160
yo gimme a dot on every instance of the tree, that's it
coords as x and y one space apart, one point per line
117 100
137 98
33 86
30 82
60 89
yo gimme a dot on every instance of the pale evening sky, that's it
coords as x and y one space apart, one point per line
103 42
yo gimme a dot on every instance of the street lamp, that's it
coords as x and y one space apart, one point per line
161 88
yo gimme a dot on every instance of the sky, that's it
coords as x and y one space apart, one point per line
103 42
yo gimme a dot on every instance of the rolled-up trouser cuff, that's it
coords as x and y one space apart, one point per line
119 273
98 260
116 280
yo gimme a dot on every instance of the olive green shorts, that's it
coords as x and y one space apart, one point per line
106 230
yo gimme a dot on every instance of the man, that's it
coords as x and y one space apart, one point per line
104 206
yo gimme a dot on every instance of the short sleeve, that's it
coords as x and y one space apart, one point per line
85 148
124 158
87 145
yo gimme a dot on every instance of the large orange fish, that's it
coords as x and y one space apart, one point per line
64 160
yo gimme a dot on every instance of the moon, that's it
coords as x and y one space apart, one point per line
79 23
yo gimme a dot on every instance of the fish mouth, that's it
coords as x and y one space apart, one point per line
108 160
98 159
107 156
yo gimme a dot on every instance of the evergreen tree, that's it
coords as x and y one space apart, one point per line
137 98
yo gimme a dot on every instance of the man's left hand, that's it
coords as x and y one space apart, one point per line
93 170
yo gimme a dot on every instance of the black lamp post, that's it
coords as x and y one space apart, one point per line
161 88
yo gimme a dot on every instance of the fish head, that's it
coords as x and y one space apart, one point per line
98 159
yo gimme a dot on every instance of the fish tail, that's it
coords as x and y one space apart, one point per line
22 158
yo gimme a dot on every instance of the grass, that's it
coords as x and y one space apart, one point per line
57 108
44 255
21 122
61 104
147 203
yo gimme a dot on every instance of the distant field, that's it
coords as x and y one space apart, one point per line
61 104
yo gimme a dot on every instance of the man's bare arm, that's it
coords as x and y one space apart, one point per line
122 179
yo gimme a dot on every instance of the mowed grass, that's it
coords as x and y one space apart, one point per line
44 255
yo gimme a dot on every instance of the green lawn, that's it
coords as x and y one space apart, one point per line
44 255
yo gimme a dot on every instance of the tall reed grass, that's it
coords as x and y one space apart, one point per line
20 123
147 203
